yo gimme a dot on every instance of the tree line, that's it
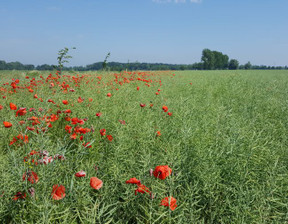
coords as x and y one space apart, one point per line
210 60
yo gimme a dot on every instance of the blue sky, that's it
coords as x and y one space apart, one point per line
167 31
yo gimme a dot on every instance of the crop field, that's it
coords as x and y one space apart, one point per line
144 147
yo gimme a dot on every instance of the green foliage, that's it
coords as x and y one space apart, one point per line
226 143
63 57
104 64
214 60
233 64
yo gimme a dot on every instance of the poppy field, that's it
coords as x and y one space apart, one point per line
144 147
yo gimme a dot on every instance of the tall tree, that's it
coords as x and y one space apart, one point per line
233 64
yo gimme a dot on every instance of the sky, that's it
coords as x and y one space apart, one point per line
153 31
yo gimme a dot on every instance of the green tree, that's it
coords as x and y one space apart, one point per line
248 65
233 64
214 60
63 58
208 59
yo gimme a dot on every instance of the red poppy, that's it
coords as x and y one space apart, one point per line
142 105
74 120
138 87
103 132
80 174
80 100
87 145
142 189
169 113
30 128
157 93
169 202
1 107
21 112
110 138
68 129
122 122
90 99
98 114
19 195
7 124
73 136
51 101
109 94
162 172
13 106
65 102
58 192
158 133
96 183
165 108
31 176
133 180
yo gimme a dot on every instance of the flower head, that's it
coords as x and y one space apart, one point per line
58 192
169 202
96 183
162 172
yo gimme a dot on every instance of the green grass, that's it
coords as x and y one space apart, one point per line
226 143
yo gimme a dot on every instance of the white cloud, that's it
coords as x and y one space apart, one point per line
177 1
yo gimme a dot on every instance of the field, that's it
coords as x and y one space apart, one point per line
223 134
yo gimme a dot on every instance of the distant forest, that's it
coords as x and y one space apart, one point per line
210 60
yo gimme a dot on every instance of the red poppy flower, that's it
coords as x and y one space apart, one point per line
65 102
96 183
80 174
98 114
109 94
80 100
169 202
68 129
110 138
122 122
51 101
133 180
73 136
169 113
158 133
165 108
58 192
7 124
157 93
142 105
87 145
162 172
90 99
1 107
31 176
138 87
74 120
19 195
142 189
103 132
13 106
21 112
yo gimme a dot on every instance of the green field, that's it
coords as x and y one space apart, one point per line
226 143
